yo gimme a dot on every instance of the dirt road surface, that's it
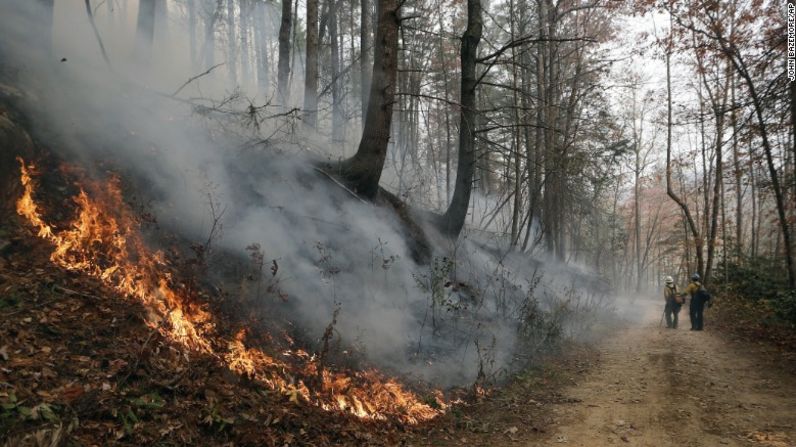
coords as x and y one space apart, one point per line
659 387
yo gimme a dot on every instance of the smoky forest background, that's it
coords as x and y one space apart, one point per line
443 191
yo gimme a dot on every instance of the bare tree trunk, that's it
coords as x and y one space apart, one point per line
293 45
724 245
740 66
716 197
706 171
734 56
365 45
146 28
516 212
210 35
283 68
754 226
637 211
453 220
356 75
531 166
363 170
737 172
192 21
162 19
311 74
337 112
548 207
669 189
261 44
443 62
718 105
232 43
538 132
245 33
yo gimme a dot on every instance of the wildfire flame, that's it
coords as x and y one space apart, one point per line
105 242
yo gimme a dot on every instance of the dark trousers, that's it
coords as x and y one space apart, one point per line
695 311
672 310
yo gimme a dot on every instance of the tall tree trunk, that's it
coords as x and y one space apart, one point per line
453 220
162 19
245 33
706 170
716 197
337 106
261 44
718 104
554 117
210 35
283 68
232 43
548 199
724 245
517 208
669 190
637 211
146 28
192 21
530 148
730 50
779 197
363 170
294 44
539 136
311 66
445 80
356 75
755 229
365 49
737 171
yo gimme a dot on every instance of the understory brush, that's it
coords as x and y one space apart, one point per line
510 315
760 284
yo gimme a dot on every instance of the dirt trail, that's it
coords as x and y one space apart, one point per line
659 387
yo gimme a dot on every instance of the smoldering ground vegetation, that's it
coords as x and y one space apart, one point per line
300 247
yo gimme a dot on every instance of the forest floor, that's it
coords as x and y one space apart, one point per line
72 373
658 387
80 367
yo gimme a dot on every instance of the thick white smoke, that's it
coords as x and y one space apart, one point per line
332 249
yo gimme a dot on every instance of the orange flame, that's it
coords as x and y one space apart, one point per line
104 241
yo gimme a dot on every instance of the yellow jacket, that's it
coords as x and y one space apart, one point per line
693 288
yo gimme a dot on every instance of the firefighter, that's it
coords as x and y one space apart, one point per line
699 297
674 302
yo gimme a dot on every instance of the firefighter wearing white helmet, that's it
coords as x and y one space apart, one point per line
674 302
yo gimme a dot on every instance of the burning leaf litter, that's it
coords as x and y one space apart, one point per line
104 241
